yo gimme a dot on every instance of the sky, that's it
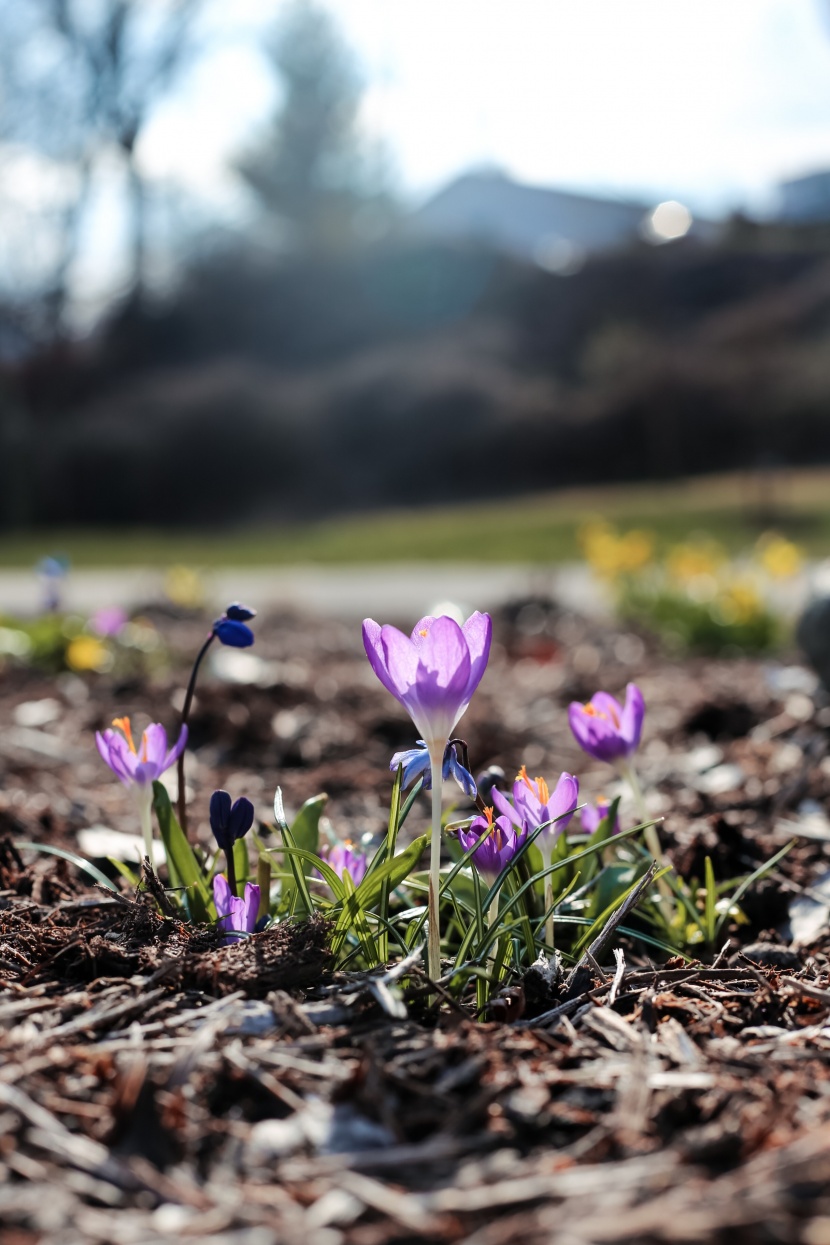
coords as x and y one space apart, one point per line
707 101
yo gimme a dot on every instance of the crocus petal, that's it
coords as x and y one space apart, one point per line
153 745
373 645
115 752
528 804
504 806
632 716
400 660
250 906
478 632
435 699
177 749
562 802
146 772
222 895
421 630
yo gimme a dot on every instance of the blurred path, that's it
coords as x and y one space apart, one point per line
349 592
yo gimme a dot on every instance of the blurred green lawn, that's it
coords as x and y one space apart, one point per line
543 529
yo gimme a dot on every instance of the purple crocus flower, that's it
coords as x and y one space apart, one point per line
110 620
415 762
345 860
593 814
607 730
237 916
433 672
497 849
138 766
230 822
534 805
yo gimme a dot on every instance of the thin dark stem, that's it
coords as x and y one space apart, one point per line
188 701
231 870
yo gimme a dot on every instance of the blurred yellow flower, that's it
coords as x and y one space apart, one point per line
739 603
694 558
87 652
779 557
610 553
184 587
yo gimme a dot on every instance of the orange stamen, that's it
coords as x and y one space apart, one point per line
541 789
591 711
424 632
123 725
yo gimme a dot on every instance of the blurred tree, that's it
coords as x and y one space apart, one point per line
78 79
318 180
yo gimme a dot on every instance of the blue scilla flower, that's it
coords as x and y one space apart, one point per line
231 628
229 822
415 762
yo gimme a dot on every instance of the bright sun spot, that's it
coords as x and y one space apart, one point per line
668 221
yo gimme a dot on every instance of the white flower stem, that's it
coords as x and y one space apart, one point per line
548 898
145 806
436 757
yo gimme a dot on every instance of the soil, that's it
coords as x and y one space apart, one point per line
157 1086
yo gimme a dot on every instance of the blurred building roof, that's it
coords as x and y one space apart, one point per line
555 228
806 198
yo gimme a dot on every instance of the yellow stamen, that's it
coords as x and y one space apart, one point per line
423 632
544 794
123 725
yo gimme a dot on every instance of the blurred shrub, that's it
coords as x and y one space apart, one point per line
693 595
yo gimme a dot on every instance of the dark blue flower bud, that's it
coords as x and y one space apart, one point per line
237 612
229 822
233 633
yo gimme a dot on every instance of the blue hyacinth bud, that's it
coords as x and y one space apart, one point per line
229 822
233 633
237 612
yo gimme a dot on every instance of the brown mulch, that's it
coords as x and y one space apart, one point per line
158 1086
